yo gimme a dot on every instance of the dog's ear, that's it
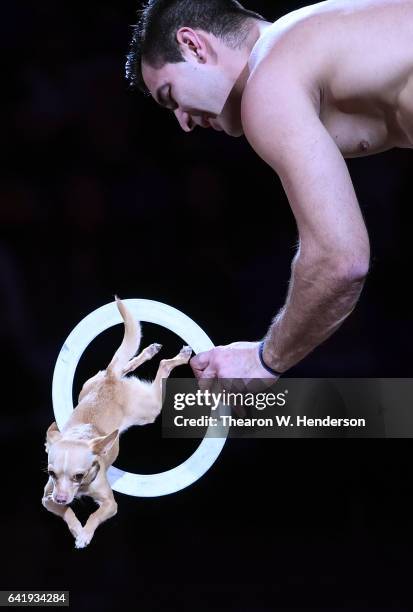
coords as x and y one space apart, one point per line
103 444
52 435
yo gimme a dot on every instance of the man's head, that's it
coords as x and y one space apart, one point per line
189 55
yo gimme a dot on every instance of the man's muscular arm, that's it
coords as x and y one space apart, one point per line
282 124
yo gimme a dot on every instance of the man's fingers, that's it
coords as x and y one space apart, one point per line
208 373
204 370
206 379
200 362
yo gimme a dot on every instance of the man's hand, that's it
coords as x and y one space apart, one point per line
236 360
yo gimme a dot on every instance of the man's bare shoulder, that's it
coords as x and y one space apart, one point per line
280 60
277 37
313 38
333 48
311 19
281 74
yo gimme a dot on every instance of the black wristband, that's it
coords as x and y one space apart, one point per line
264 365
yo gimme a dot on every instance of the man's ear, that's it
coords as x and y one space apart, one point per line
103 444
52 435
192 44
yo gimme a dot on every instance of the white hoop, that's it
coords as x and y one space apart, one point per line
139 485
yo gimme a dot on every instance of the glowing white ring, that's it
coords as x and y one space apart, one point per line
139 485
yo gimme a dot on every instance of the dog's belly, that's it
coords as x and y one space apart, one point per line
142 403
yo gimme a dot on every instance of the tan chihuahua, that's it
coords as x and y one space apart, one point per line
109 403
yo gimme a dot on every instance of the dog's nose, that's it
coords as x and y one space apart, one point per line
60 499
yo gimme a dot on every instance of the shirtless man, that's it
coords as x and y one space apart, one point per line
323 83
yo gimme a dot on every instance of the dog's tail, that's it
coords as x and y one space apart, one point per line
130 343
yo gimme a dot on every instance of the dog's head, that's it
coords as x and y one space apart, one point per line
73 463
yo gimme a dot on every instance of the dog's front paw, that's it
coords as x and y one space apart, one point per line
76 528
83 539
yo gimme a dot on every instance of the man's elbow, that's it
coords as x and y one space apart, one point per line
352 269
345 266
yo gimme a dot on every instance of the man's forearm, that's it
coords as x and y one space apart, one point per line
320 297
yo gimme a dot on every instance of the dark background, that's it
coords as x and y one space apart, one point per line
102 193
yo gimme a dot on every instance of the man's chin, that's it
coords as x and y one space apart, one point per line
227 127
235 133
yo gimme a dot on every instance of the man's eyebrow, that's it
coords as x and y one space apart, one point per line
160 98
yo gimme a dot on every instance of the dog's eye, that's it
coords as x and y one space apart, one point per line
52 474
78 477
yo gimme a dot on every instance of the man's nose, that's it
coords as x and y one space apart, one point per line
184 120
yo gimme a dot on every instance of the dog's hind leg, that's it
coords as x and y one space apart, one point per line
145 355
165 368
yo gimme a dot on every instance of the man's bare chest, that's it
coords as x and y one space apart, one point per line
367 103
359 130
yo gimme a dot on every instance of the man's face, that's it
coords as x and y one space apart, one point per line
198 93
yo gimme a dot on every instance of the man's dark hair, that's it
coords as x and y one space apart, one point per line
154 36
